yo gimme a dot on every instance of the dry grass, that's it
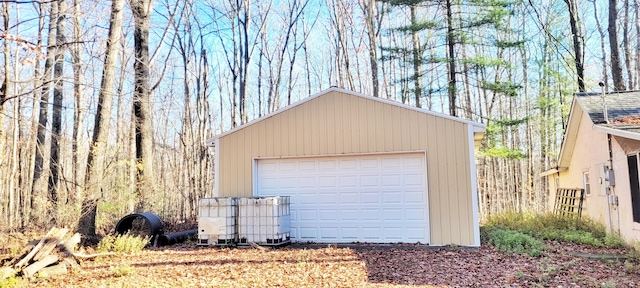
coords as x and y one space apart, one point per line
185 265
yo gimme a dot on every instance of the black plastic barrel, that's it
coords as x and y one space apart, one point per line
156 228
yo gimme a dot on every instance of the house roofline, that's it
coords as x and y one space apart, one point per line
553 171
617 132
569 137
477 127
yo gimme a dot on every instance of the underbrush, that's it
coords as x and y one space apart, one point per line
515 242
555 228
125 243
9 282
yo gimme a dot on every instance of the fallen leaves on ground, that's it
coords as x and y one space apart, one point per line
300 265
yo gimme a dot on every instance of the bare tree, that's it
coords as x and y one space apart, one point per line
373 17
626 47
605 74
37 196
95 160
78 97
142 108
56 123
616 68
578 45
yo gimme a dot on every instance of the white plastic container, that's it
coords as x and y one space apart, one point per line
264 220
217 221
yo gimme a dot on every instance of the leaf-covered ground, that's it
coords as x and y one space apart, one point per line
186 265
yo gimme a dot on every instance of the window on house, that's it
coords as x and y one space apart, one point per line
634 184
585 181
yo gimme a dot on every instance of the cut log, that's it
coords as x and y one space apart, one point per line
58 269
35 249
50 244
6 272
69 246
35 267
72 263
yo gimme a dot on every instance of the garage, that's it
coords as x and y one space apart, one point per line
358 169
378 198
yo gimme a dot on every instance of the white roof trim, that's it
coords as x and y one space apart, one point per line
553 171
617 132
569 138
478 127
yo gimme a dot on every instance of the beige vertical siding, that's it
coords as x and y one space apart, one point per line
341 123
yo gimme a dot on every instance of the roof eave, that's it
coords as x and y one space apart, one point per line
569 139
617 132
478 127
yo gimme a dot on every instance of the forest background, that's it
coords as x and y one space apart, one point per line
106 106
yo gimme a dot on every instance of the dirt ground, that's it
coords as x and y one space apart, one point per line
187 265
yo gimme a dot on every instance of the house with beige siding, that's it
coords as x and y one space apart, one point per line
358 169
599 154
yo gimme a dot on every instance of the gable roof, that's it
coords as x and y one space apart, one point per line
623 110
478 128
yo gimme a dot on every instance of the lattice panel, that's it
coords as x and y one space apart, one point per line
569 202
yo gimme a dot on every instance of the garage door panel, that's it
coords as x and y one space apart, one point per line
372 198
413 162
348 181
329 233
415 179
369 164
390 215
392 197
391 162
391 180
348 198
348 164
307 233
414 197
327 164
307 166
369 181
307 182
329 215
307 215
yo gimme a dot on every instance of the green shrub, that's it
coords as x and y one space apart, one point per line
12 281
552 227
581 237
515 242
121 270
125 243
613 240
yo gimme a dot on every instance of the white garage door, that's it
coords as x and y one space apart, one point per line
341 199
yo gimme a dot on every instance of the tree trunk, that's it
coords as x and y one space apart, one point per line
637 22
451 89
38 205
369 8
578 46
626 47
616 69
78 116
94 174
605 74
142 102
56 121
417 59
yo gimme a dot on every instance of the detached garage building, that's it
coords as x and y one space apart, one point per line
359 169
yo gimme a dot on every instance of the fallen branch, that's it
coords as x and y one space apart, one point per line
256 246
54 254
